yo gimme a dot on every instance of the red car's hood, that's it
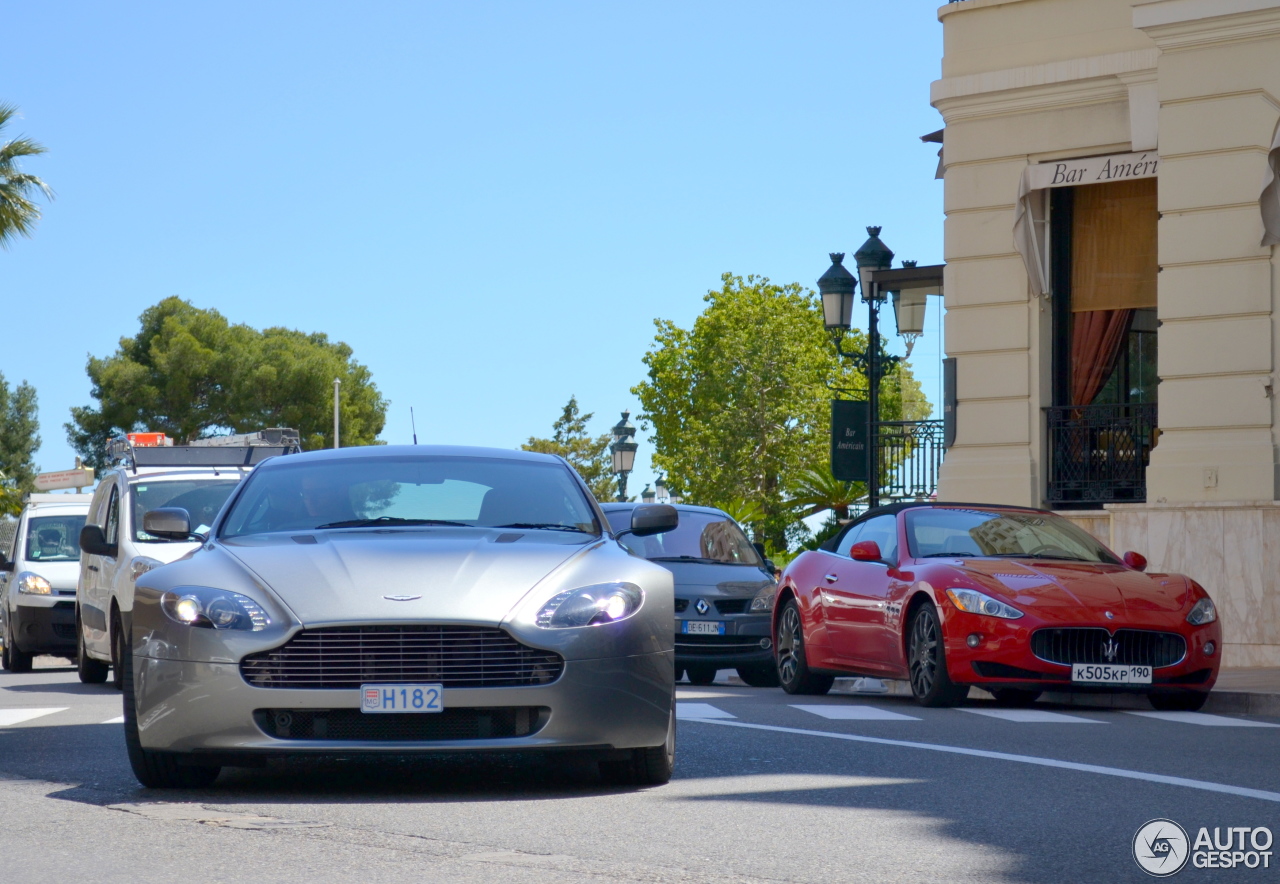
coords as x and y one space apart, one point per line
1033 584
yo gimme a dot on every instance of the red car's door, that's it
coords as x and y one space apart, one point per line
856 595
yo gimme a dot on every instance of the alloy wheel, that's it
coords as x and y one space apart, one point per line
790 638
924 654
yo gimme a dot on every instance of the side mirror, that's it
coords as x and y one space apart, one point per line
653 518
865 551
1136 561
169 522
94 542
5 564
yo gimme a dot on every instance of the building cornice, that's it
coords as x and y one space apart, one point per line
1029 99
1187 24
965 5
1055 73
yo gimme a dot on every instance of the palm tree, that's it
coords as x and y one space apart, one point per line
817 490
18 214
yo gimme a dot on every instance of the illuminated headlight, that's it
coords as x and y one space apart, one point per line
213 609
1202 612
764 599
591 606
33 584
973 602
140 565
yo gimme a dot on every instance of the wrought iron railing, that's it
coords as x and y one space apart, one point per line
910 455
1099 453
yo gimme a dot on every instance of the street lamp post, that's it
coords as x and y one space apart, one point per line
661 492
623 449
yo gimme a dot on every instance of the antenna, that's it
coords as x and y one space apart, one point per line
414 424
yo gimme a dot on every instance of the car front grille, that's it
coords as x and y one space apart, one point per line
681 605
711 645
731 606
1127 647
452 656
461 723
65 630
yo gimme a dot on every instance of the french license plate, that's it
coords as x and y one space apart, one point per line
1096 673
401 698
703 627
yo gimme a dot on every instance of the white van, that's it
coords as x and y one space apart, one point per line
38 576
149 472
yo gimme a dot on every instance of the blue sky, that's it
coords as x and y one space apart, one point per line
489 201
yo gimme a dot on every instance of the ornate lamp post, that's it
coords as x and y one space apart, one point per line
648 494
662 494
623 449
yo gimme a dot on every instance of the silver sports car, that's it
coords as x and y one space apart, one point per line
401 600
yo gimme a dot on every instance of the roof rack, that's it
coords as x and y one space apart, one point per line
135 450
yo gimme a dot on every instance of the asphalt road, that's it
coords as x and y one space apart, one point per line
768 787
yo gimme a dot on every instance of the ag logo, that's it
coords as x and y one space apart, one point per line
1161 848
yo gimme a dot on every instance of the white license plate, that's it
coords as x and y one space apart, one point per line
1097 673
703 627
401 698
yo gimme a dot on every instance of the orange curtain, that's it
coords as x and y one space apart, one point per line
1097 337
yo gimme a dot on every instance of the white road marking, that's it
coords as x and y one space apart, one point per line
119 719
1204 719
1204 785
1025 716
854 713
17 716
700 711
682 694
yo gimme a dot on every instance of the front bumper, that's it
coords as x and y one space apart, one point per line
1004 657
739 646
44 628
612 703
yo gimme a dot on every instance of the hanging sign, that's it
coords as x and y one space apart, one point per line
849 447
81 478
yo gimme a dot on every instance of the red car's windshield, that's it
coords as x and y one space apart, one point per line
944 532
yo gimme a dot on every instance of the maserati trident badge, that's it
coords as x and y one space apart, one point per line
1110 649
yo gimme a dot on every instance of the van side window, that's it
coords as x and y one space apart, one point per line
112 528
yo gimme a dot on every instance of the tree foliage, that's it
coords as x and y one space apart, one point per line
190 373
587 454
19 439
18 210
739 403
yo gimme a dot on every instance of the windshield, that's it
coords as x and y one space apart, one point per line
54 538
960 532
705 537
201 498
411 490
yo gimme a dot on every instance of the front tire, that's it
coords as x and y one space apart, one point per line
117 651
927 662
1015 698
759 676
91 671
793 666
650 766
15 660
156 770
702 675
1183 701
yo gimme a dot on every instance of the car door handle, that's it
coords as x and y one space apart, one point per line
832 578
93 567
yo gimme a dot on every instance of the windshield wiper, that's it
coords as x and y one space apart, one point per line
692 559
1037 556
389 520
548 526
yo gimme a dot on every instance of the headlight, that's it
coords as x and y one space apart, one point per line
140 565
213 609
973 602
591 606
764 600
1202 612
33 584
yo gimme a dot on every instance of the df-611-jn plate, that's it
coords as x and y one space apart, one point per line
401 698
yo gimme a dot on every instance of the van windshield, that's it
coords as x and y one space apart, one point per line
54 538
201 498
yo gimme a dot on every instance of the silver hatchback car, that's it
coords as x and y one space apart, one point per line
402 600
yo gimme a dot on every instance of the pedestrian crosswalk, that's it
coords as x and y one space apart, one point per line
40 716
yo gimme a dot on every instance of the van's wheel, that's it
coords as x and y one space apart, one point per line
927 662
91 671
651 766
792 664
15 659
117 651
156 770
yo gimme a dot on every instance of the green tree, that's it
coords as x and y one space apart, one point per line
19 439
587 454
739 404
18 211
190 373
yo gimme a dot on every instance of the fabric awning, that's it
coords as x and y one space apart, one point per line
1270 199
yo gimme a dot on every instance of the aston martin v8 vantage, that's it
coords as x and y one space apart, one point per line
402 600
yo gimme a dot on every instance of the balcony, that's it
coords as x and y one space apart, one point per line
1099 453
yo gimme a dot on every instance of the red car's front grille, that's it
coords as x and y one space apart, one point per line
1126 647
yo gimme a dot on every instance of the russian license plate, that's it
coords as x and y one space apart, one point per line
1097 673
401 698
703 627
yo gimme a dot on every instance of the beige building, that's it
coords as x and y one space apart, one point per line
1111 280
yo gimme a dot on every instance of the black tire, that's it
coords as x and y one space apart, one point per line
1015 698
117 651
650 766
15 659
1183 701
702 674
792 665
91 671
765 676
927 662
156 770
679 672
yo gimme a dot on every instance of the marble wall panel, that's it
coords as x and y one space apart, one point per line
1242 593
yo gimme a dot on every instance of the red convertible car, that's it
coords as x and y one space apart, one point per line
1016 601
